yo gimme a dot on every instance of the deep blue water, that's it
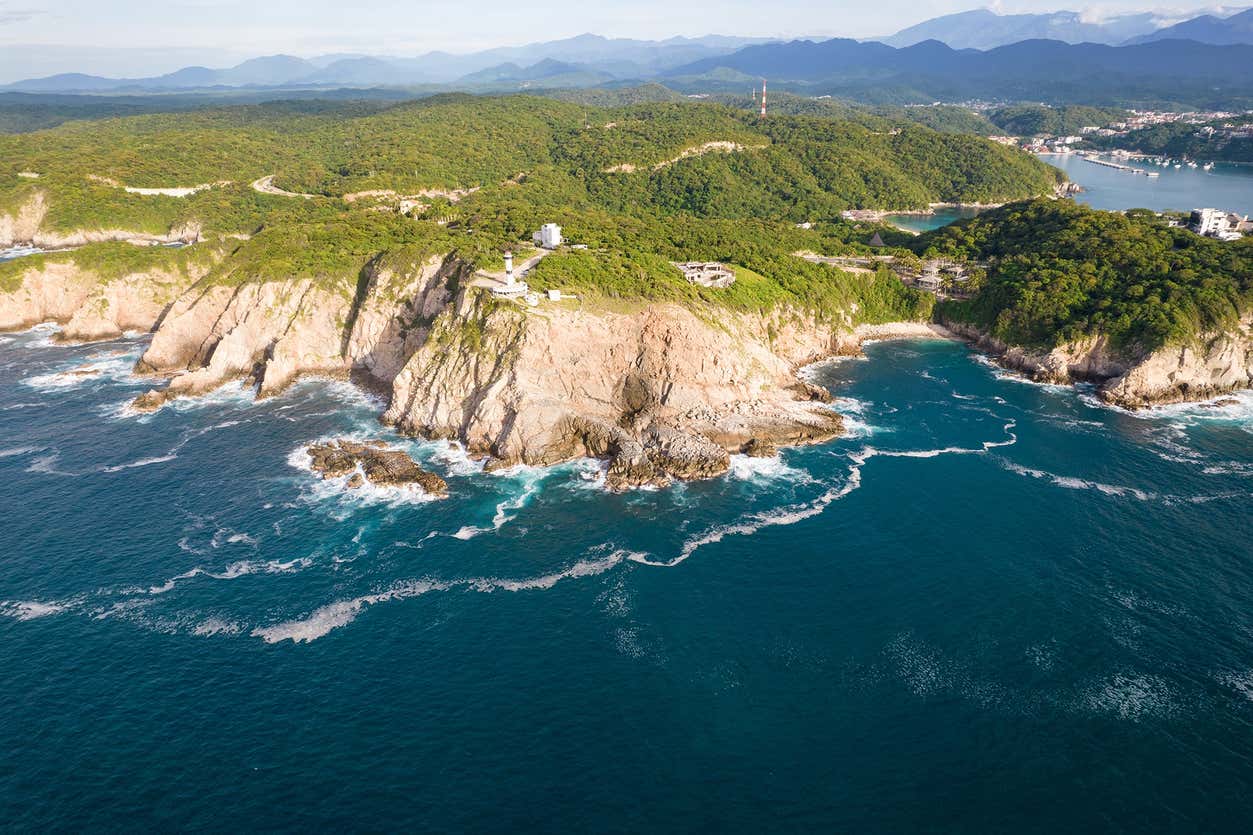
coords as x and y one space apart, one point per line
1182 189
994 606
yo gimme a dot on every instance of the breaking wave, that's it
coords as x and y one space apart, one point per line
340 613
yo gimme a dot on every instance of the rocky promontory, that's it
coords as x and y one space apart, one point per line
1210 365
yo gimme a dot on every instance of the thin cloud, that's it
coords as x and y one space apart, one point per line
10 15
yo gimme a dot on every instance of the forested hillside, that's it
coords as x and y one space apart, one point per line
1059 271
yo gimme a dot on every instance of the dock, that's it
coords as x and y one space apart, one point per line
1120 167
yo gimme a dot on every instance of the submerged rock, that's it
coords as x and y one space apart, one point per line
372 461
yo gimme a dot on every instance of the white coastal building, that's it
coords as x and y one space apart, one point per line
707 273
549 236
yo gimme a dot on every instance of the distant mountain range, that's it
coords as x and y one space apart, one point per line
1235 29
584 59
1161 72
985 29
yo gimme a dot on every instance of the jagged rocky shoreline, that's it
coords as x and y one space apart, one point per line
1212 365
659 392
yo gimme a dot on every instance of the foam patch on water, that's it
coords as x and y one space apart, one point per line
340 613
1071 483
751 523
507 510
1132 697
773 468
1239 681
31 609
115 367
1002 373
233 571
216 626
853 413
1233 408
17 451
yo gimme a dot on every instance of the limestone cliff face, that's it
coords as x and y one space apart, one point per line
87 307
276 331
660 392
1211 365
26 226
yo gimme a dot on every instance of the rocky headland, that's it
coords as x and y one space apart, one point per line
659 391
1210 365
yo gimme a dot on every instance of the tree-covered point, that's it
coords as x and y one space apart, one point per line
1043 120
1059 271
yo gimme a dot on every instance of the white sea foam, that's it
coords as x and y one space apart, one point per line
340 613
367 494
751 523
773 468
507 510
217 626
31 609
1131 696
1071 483
13 452
1240 681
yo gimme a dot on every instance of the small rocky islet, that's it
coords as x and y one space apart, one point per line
374 462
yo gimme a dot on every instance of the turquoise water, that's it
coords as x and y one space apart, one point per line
994 606
1227 186
925 223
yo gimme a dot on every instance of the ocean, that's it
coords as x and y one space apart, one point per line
992 606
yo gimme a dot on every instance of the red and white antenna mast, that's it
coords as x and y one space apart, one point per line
763 98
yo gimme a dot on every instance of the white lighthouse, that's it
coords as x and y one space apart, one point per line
510 288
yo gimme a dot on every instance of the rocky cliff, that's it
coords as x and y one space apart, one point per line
659 391
275 331
87 306
1210 365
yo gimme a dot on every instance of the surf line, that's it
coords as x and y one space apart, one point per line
751 523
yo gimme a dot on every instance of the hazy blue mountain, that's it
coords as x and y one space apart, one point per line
1158 72
548 73
1236 29
985 29
593 56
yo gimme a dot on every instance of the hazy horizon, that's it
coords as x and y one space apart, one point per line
131 38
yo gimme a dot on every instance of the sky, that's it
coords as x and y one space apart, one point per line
135 37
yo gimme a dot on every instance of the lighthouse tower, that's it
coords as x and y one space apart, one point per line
763 98
509 267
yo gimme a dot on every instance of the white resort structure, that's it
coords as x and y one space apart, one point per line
548 237
707 273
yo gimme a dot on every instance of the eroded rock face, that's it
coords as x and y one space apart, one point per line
274 332
1212 365
660 393
26 226
374 462
89 308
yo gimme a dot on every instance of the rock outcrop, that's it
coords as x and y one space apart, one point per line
88 307
660 392
1208 366
276 331
374 462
